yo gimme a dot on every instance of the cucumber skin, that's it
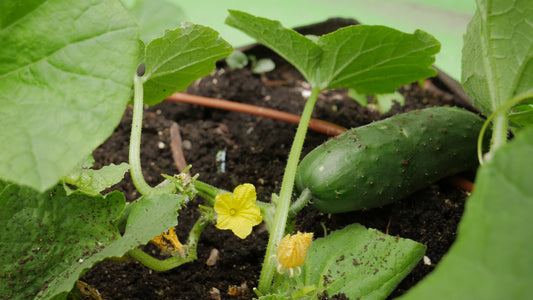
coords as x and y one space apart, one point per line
387 160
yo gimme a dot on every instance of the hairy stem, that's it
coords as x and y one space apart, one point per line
194 235
156 264
135 146
300 203
500 121
499 131
284 200
208 192
135 139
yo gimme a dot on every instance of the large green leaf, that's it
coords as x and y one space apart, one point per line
498 53
180 57
46 236
66 71
521 115
370 59
375 59
300 51
361 263
491 258
50 239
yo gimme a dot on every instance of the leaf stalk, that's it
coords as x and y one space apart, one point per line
284 200
135 145
501 123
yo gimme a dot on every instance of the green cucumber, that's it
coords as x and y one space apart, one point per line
387 160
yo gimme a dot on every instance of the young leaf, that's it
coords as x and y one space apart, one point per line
237 60
371 59
51 239
143 226
180 57
386 101
498 53
362 99
491 258
263 65
66 71
92 182
359 262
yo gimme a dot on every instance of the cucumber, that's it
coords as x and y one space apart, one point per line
387 160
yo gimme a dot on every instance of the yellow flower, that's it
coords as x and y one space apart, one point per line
238 212
292 251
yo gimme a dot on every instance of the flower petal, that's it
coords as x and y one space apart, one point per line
223 203
242 229
251 215
245 194
224 222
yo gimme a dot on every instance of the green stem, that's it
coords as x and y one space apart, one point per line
194 235
159 265
500 117
284 200
135 146
499 131
208 192
135 138
176 261
300 203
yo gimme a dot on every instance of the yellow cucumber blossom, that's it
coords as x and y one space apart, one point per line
238 212
292 251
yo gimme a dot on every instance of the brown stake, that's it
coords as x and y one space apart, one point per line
177 148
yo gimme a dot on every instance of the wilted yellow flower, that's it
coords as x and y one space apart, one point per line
238 212
162 242
292 251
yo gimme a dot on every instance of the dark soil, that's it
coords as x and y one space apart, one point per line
256 152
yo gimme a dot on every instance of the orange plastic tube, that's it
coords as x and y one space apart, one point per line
314 124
